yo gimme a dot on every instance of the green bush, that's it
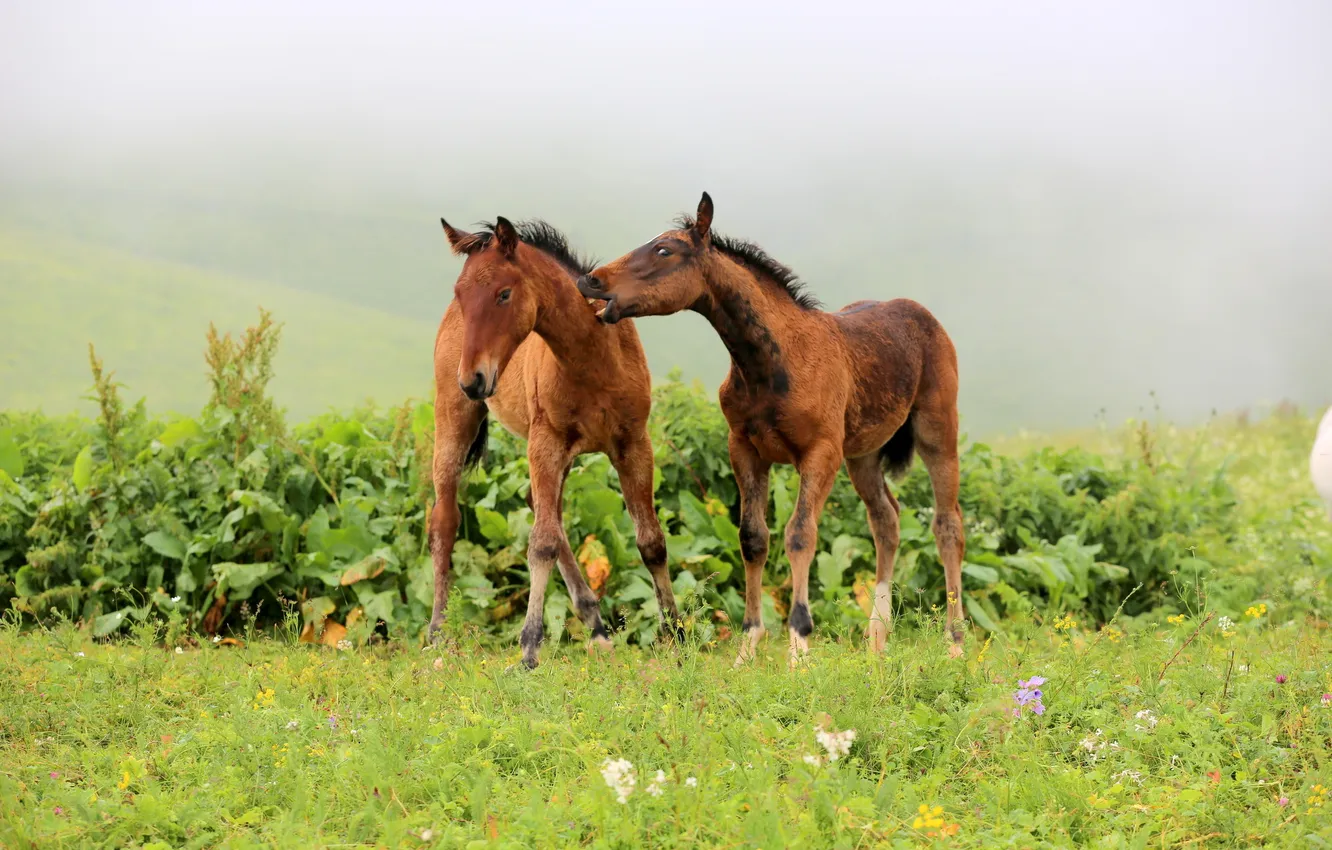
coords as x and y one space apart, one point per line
207 518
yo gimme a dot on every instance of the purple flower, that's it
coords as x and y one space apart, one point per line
332 722
59 811
1029 694
55 774
1283 802
1327 700
1281 679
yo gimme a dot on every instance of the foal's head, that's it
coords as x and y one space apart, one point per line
662 276
499 304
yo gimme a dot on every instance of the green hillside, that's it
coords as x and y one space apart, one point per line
148 319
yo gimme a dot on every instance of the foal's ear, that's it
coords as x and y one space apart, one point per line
703 221
461 241
506 237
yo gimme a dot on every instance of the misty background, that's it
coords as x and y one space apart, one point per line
1100 203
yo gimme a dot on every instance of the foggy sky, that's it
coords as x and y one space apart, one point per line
801 119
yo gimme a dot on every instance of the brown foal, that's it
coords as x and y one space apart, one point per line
519 341
869 386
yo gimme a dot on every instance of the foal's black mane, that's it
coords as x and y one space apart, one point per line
546 238
755 259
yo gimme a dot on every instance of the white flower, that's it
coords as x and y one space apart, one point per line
1134 776
692 782
175 599
217 638
295 724
619 776
812 760
1148 718
180 651
427 834
78 655
654 787
344 644
837 744
1225 624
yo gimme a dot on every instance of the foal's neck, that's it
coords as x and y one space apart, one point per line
575 336
752 323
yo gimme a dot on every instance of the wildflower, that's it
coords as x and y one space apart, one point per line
427 834
1256 611
217 638
691 781
1326 701
1148 718
1226 626
293 725
1175 619
931 818
439 663
837 744
1113 633
1095 745
812 760
619 775
262 699
59 811
180 650
78 655
984 649
1134 776
1283 802
124 781
344 644
55 774
1281 678
175 599
1029 694
654 787
1317 800
1065 623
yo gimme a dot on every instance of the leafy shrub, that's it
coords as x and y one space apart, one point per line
206 518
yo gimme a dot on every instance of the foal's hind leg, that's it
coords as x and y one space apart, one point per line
633 461
584 600
456 424
751 477
936 441
882 509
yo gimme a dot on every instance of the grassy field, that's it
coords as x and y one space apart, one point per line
1197 733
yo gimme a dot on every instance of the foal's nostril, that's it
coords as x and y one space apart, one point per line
475 389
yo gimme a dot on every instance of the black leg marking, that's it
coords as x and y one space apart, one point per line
800 621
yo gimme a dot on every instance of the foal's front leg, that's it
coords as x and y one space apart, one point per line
548 458
818 470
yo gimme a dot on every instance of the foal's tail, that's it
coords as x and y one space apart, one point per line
476 452
896 455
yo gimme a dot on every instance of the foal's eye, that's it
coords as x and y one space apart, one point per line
663 251
504 296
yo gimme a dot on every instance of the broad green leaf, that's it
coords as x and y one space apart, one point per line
238 581
108 623
556 611
379 606
726 532
595 504
11 457
83 468
164 544
179 432
984 575
694 514
493 525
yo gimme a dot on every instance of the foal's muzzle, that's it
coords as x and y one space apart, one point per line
480 387
590 287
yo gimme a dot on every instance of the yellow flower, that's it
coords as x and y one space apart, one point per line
1256 611
124 781
1175 619
1065 623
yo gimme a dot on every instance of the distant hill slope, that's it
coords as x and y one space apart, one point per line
148 319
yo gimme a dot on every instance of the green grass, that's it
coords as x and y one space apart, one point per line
148 317
278 744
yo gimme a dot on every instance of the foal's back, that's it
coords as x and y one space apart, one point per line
897 351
